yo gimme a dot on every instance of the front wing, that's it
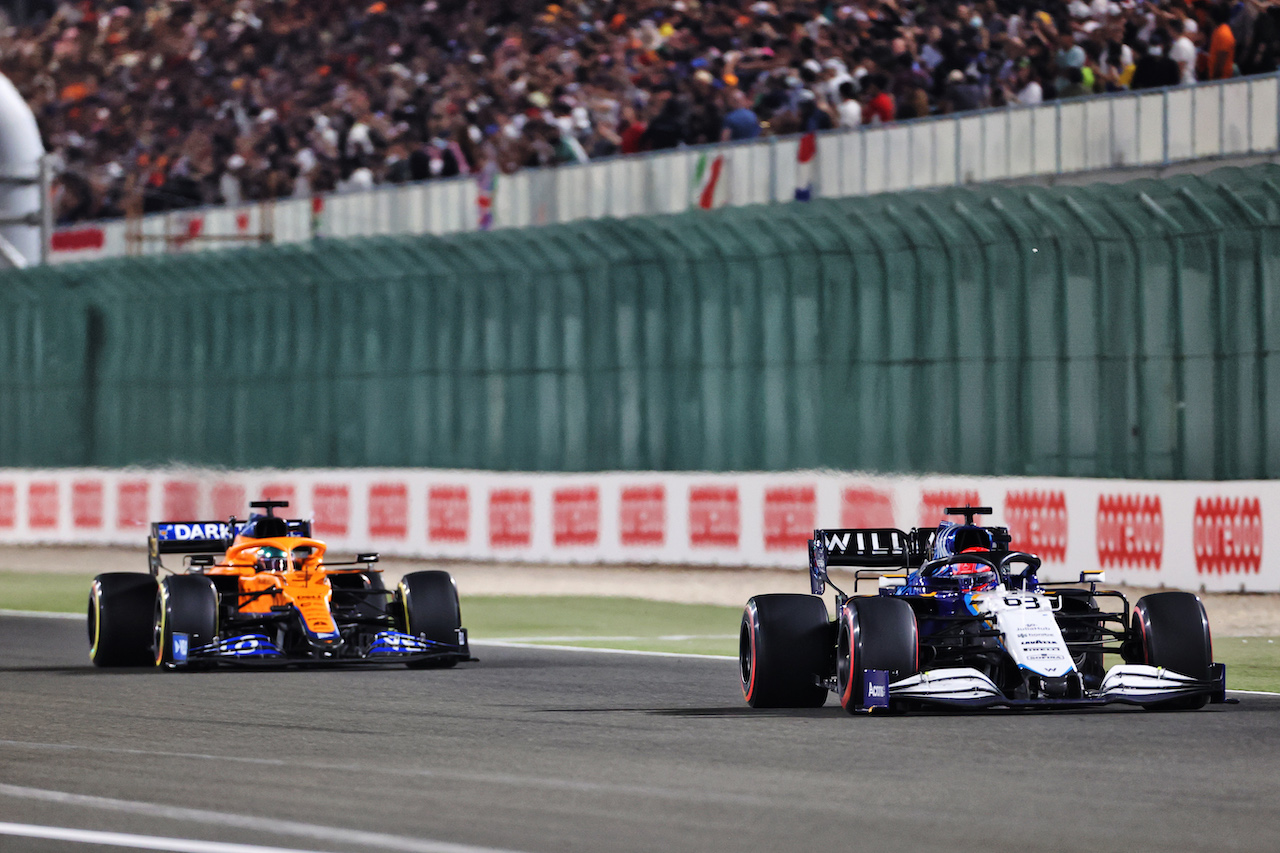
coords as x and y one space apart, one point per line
965 687
256 649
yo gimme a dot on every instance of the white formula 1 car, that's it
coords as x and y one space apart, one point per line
960 620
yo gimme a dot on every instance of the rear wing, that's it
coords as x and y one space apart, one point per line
204 537
867 548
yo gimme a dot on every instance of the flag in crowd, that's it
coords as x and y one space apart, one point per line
709 186
804 166
486 181
317 214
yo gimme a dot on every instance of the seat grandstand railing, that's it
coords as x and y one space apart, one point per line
1124 130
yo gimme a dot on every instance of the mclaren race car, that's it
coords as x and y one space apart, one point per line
259 591
960 620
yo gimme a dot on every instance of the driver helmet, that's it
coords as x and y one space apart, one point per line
953 539
272 559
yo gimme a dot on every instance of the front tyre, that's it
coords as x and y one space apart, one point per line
875 633
120 609
784 651
186 617
427 606
1171 630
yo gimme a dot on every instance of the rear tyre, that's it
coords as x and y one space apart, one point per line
186 604
784 651
120 610
875 633
427 605
1171 630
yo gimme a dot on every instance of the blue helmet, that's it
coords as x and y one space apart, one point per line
952 539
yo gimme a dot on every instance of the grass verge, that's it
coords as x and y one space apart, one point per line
52 593
1253 663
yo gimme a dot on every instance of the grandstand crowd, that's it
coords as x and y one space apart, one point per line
186 102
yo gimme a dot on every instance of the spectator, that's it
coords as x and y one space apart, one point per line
879 108
740 122
196 101
850 108
1029 92
1155 70
963 91
1075 87
1222 45
1183 52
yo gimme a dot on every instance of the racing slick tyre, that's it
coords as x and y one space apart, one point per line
784 651
1171 630
186 605
120 610
874 633
428 604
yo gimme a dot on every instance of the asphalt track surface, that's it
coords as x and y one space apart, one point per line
539 751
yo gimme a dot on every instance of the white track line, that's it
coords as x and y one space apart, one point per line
579 638
543 783
43 614
136 842
503 644
274 826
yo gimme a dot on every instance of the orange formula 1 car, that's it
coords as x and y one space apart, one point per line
260 592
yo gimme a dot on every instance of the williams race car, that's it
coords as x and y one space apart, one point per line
960 620
259 591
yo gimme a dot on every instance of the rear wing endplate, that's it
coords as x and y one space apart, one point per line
868 548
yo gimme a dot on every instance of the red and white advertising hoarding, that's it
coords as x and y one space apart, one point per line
1177 534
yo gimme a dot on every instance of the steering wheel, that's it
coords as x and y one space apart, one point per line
284 543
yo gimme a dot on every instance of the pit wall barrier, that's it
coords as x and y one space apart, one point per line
1191 535
1125 130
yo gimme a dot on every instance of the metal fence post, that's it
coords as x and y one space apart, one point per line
1164 100
773 169
1057 137
1222 119
1249 128
1194 139
46 207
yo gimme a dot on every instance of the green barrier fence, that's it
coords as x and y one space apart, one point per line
1112 330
